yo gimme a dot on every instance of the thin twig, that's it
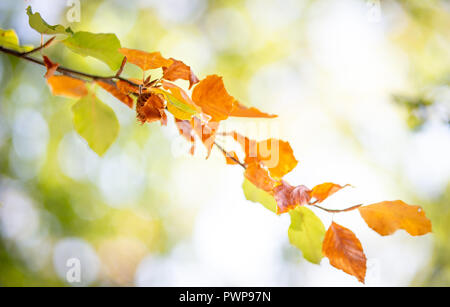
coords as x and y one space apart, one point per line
337 210
64 70
230 156
47 43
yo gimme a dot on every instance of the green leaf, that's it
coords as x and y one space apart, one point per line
102 46
36 22
9 39
96 122
255 194
306 232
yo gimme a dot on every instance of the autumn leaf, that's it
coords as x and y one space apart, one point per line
150 108
212 97
127 88
289 197
388 216
239 110
324 190
116 92
96 122
307 232
231 157
344 251
102 46
67 86
145 60
179 70
257 195
259 177
37 23
277 156
51 67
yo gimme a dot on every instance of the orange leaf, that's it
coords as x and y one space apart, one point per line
185 129
277 156
345 251
240 110
206 131
324 190
231 157
67 86
259 177
179 70
289 197
145 60
116 92
51 67
126 88
210 94
388 216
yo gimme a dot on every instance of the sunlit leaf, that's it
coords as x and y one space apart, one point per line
102 46
178 101
388 216
344 251
185 129
210 94
67 86
96 122
257 195
239 110
114 90
36 22
307 232
179 70
9 39
324 190
259 177
145 60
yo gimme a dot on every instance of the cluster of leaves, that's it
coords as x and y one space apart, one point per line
198 112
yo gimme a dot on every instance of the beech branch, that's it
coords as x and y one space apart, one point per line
77 74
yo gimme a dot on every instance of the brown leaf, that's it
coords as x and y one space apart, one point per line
324 190
239 110
185 129
51 67
179 70
259 177
289 197
344 251
150 108
388 216
67 86
210 94
116 92
145 60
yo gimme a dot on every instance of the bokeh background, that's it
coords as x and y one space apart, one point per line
362 93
